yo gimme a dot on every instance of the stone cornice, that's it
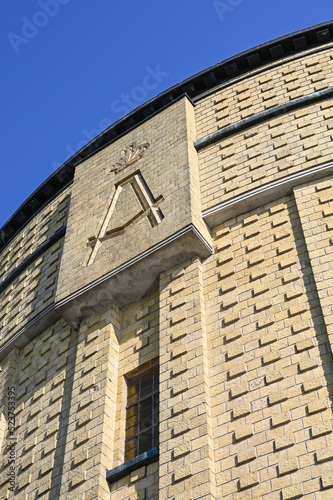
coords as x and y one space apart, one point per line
264 194
32 257
123 285
262 117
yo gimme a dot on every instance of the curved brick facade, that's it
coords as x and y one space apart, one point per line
197 233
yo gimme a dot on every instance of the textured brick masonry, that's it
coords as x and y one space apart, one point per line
243 336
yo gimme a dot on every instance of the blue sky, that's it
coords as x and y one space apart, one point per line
70 68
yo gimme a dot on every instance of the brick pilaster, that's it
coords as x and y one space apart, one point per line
186 456
315 207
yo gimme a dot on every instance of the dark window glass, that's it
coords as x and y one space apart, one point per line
142 413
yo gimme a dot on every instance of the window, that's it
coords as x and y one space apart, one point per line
142 413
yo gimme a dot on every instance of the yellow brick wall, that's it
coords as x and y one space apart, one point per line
39 377
186 449
33 290
70 405
43 225
243 339
287 144
315 206
141 484
270 358
169 167
263 89
269 152
139 347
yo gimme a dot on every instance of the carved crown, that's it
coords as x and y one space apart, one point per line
128 156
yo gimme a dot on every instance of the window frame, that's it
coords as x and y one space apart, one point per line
152 372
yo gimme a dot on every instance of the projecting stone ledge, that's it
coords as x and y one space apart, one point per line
131 281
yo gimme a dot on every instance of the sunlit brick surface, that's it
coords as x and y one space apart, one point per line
241 335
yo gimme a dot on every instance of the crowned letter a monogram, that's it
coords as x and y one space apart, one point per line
149 209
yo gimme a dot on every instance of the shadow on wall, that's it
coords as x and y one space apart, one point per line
310 335
29 371
31 280
43 385
138 351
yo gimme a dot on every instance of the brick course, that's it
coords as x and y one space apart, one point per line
243 337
